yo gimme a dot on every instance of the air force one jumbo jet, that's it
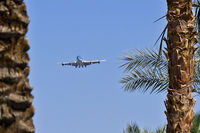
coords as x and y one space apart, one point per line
80 62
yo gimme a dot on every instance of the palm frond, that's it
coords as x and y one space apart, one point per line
132 128
161 35
162 39
161 130
160 18
196 124
146 71
145 79
196 83
196 5
146 131
143 59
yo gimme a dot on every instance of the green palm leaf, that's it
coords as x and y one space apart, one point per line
161 130
144 71
196 124
197 16
142 59
132 128
144 79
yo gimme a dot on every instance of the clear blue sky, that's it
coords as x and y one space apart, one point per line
91 100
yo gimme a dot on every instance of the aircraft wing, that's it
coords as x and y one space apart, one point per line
92 62
69 63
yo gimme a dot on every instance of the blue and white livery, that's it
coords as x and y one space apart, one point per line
80 62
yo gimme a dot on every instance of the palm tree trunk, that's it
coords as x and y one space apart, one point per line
180 47
16 109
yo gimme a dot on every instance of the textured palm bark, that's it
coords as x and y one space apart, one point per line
16 108
180 52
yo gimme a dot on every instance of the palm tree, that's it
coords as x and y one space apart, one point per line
180 50
180 41
16 109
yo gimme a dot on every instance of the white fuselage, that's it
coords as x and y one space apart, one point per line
79 62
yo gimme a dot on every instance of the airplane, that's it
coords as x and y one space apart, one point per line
80 62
